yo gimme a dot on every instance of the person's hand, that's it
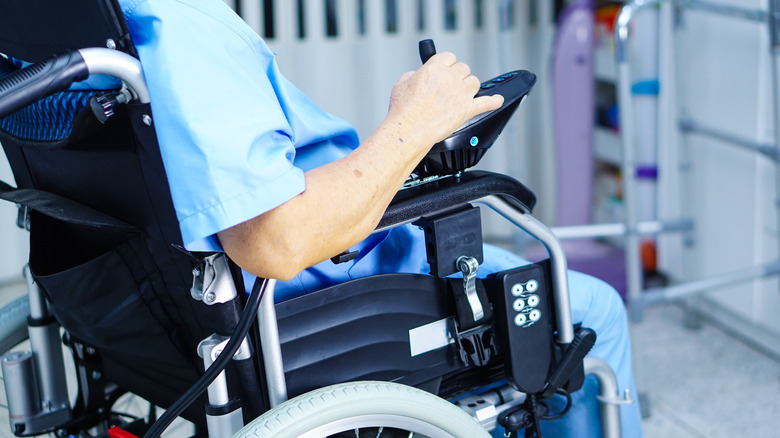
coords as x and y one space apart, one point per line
437 99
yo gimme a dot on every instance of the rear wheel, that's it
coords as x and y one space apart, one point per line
360 409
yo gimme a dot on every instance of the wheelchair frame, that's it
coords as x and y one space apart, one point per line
128 69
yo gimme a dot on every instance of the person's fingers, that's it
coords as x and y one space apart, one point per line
473 82
444 58
463 69
406 76
487 103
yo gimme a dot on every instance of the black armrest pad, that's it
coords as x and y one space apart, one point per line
444 194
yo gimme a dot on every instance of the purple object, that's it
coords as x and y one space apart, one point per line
647 171
573 105
573 108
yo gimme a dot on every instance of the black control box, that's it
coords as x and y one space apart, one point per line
522 303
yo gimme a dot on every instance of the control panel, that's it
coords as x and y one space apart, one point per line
522 307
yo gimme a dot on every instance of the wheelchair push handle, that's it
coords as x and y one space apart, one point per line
39 80
58 73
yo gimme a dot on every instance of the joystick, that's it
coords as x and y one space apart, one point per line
427 49
466 146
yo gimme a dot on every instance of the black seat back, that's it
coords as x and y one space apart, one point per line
36 29
103 230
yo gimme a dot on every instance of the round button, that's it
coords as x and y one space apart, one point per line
487 85
474 141
518 305
499 79
531 286
534 315
533 300
520 319
517 289
509 75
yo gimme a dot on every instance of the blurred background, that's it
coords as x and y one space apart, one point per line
654 156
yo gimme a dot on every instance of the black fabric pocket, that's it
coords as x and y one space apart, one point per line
102 288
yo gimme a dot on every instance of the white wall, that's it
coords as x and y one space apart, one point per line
351 74
723 80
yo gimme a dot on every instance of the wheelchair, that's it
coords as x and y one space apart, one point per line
388 355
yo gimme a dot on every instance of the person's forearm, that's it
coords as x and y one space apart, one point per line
343 202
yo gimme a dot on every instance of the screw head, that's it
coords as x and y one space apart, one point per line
111 44
210 297
147 119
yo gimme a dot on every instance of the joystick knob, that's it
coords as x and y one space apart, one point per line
427 49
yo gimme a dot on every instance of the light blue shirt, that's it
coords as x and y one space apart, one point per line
235 135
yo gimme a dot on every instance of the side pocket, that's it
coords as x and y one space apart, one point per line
98 290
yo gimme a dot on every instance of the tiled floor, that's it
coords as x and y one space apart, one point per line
699 383
704 383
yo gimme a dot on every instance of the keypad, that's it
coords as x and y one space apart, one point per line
525 303
497 80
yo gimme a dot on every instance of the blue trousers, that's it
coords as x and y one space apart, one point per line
594 303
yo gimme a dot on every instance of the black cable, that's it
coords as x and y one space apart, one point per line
537 429
239 333
501 399
565 409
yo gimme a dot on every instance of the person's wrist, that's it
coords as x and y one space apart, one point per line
410 129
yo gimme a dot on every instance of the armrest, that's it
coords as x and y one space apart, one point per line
441 195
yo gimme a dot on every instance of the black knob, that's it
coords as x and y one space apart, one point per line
103 106
427 49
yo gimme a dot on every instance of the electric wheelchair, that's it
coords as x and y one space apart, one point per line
389 355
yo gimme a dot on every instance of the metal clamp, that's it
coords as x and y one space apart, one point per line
213 345
469 266
476 346
616 400
23 217
212 282
225 424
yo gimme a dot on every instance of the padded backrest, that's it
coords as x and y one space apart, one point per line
33 30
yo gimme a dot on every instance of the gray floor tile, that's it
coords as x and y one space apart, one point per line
705 380
665 423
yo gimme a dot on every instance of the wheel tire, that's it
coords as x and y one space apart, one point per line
347 406
13 323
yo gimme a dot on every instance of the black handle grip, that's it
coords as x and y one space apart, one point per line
36 81
572 358
427 49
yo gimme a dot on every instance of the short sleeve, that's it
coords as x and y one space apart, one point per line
227 122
